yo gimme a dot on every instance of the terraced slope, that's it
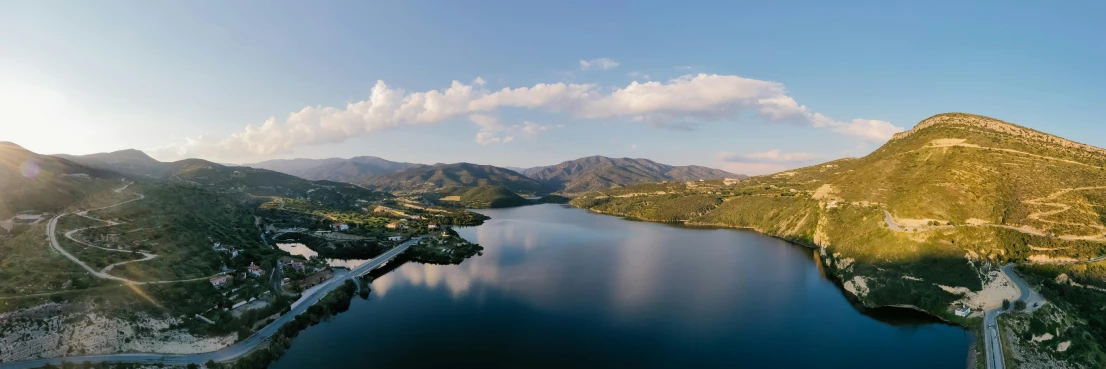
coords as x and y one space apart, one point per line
926 220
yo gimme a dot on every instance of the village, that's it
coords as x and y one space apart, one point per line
309 246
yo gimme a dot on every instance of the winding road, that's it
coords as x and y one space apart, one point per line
241 348
51 233
991 333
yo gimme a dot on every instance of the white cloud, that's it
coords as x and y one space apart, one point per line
598 64
493 132
770 156
488 138
479 81
639 75
872 130
686 102
764 162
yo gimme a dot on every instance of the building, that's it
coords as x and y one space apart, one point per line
220 280
342 227
431 226
256 270
963 311
298 265
392 225
395 238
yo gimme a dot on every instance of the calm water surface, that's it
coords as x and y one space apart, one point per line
561 287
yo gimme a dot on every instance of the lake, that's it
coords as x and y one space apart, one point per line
300 249
561 287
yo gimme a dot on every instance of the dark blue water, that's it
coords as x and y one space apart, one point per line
560 287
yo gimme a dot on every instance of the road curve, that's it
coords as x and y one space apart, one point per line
991 340
239 349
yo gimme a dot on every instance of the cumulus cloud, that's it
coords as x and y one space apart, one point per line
493 132
684 102
479 81
764 162
598 64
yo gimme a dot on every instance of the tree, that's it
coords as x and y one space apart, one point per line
1005 304
1019 305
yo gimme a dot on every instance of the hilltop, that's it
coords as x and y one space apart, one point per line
600 172
30 181
926 220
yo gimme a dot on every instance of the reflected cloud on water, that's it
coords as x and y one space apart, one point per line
641 270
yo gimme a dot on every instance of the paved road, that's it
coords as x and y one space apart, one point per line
991 341
241 348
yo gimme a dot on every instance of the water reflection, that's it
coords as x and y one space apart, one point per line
302 250
562 287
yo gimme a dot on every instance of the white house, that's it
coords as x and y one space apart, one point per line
963 311
219 281
256 270
395 238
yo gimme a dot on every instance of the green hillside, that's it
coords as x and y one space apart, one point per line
965 194
445 176
484 197
41 183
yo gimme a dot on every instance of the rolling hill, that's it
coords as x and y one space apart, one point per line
599 172
30 181
926 220
484 197
225 178
445 176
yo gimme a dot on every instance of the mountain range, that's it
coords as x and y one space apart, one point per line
219 177
350 170
569 177
599 172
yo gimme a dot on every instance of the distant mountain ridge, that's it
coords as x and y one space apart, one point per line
352 170
600 172
569 177
31 181
227 178
446 176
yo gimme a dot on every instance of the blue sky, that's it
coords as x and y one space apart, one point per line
749 87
